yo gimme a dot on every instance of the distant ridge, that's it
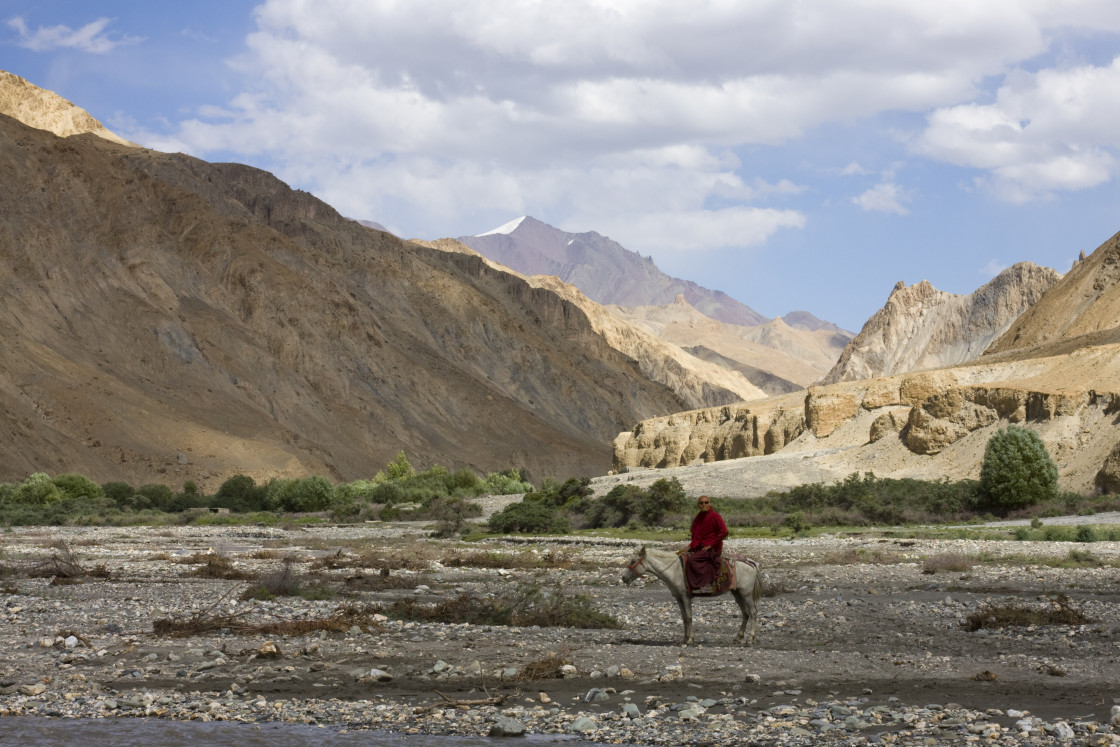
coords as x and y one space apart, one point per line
604 270
46 110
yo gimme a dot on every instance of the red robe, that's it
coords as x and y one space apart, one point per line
708 530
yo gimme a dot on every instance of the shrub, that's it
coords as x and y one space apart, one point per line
664 496
399 468
157 496
529 516
1085 533
38 490
120 493
74 485
1017 470
509 482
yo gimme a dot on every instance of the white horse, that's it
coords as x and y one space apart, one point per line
666 565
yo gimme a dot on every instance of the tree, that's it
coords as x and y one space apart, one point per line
1017 470
399 468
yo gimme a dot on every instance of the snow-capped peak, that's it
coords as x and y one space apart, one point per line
505 228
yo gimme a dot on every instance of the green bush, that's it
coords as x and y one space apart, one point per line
1017 471
509 482
530 517
38 490
399 468
120 493
74 485
664 497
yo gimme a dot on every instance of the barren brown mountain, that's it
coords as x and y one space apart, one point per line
167 319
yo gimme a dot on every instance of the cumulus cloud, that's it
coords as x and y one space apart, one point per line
1047 131
89 38
993 268
629 116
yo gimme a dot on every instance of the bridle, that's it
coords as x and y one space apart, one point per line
633 567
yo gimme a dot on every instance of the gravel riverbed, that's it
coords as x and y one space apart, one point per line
862 640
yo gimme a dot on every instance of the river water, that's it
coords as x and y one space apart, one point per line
142 732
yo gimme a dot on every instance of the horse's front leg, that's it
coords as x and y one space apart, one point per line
686 617
750 617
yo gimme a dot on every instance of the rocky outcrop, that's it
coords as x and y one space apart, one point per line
711 435
46 110
923 328
1108 478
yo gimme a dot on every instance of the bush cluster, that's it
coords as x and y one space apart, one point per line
556 507
396 491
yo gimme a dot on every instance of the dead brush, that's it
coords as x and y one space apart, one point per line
218 566
63 567
380 582
548 668
1059 611
491 559
948 562
286 582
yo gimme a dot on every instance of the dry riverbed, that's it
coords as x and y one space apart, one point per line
861 640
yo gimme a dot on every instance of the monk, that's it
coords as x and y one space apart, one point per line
704 552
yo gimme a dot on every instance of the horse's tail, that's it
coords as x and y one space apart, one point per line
759 589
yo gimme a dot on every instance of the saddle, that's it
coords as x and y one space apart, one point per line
725 577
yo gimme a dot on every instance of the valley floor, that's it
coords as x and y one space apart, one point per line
856 644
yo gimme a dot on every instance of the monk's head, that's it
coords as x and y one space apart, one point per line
704 503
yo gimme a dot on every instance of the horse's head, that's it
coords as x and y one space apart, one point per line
634 568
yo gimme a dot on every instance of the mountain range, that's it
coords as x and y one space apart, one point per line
168 319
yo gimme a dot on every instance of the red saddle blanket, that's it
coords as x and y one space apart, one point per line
725 577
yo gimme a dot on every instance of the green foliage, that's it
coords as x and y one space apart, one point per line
663 497
241 494
399 468
1085 533
120 493
1017 470
38 490
155 496
529 517
73 485
509 482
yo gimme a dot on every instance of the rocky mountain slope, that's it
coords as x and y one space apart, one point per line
921 328
169 319
1083 310
774 356
1056 370
697 382
604 270
46 110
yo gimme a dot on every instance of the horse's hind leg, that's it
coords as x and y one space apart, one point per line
747 607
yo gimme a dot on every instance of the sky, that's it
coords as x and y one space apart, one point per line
796 154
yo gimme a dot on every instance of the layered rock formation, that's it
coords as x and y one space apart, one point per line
922 328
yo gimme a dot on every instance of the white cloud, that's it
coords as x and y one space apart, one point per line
610 113
884 197
1047 131
89 38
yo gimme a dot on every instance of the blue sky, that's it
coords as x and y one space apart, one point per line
797 155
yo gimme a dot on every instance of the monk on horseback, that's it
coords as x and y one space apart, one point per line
704 552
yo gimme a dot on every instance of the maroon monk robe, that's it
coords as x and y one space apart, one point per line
708 530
